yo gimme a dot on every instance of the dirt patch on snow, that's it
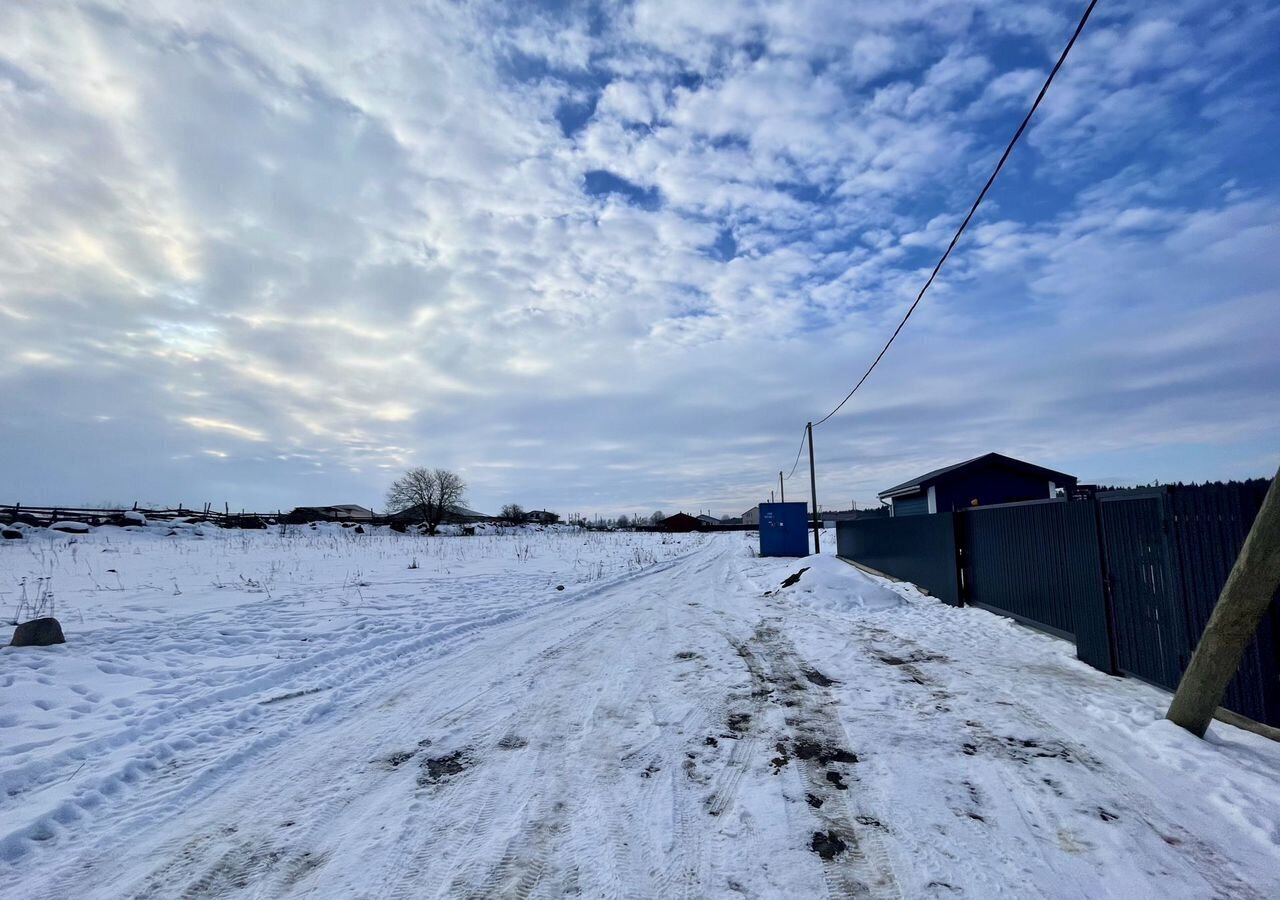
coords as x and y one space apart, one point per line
441 768
827 844
794 577
816 677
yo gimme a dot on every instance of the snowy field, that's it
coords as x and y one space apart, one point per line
557 713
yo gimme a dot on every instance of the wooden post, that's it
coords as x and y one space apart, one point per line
813 487
1241 606
782 490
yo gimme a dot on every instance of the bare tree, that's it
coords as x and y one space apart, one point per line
426 495
513 513
657 517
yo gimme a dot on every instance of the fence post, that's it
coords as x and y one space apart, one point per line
1108 609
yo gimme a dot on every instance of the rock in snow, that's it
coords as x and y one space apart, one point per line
38 633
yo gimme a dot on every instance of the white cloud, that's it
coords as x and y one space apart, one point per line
364 240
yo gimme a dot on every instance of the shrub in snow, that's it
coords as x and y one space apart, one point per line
70 527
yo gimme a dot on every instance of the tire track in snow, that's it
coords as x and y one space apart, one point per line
552 714
219 719
857 864
1040 744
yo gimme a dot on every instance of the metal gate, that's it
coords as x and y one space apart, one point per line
1149 632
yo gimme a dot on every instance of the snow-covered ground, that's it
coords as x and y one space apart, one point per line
553 713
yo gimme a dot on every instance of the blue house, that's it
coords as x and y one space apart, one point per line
993 478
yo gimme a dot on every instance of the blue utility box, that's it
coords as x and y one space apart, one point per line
784 529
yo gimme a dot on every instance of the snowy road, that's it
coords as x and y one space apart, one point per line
685 730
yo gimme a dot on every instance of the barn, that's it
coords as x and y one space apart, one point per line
342 512
682 522
982 481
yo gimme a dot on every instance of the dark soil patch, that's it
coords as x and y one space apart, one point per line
739 722
813 800
837 779
975 816
686 654
870 821
1106 815
824 754
783 757
395 760
818 678
890 659
711 741
827 844
649 771
439 768
793 578
512 742
1025 749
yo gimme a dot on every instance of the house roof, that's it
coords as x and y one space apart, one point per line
921 482
339 509
450 510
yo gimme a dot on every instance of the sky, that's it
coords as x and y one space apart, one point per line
611 257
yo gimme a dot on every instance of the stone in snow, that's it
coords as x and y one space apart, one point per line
38 633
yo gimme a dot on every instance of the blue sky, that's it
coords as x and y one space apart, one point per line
610 257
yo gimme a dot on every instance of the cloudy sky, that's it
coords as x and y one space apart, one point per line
610 257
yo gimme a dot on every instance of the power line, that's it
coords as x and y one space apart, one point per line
803 437
973 209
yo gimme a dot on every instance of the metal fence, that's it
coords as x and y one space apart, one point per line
1130 576
919 549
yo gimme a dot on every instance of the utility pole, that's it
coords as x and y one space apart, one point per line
782 490
813 487
1241 606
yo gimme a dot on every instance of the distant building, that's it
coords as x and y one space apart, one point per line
342 512
710 521
751 516
453 515
982 481
541 517
682 522
831 516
